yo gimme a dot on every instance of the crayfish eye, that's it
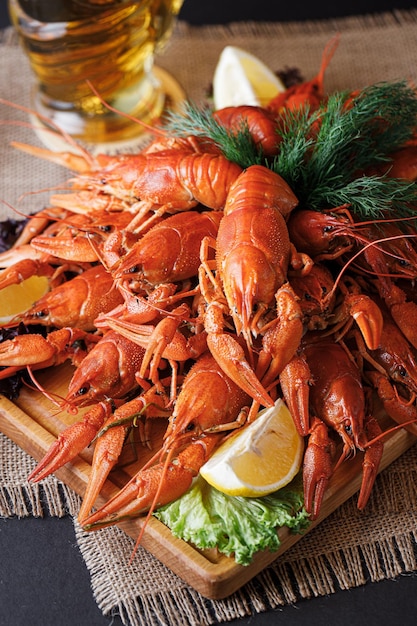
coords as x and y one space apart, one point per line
348 429
43 313
83 390
402 372
190 427
134 269
79 344
307 297
106 229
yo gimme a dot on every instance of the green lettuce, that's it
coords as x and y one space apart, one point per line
237 526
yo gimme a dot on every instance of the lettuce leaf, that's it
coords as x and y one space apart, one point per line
237 526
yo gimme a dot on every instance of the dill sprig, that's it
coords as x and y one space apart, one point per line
371 197
392 108
324 156
236 145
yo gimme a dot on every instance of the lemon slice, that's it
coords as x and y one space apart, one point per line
16 299
240 78
258 459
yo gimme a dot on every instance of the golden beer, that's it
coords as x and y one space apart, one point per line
110 44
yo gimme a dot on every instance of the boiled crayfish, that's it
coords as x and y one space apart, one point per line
197 289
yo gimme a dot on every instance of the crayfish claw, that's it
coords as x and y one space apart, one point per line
295 380
77 163
155 486
368 317
25 350
71 442
371 460
138 495
317 467
230 357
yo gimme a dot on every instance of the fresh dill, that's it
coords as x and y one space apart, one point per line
370 197
337 145
327 155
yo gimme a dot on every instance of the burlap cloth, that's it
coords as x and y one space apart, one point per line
348 549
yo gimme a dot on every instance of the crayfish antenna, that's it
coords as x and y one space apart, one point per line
21 214
52 128
153 505
55 398
327 56
149 127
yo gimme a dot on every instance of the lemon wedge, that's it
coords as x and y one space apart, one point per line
240 78
259 458
16 299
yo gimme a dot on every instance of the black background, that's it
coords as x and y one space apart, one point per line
223 11
43 578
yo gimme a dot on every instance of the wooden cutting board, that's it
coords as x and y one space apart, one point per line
33 424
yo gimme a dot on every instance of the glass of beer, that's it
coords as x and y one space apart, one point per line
87 54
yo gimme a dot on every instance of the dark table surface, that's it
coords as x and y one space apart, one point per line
43 578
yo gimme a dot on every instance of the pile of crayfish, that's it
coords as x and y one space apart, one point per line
188 287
